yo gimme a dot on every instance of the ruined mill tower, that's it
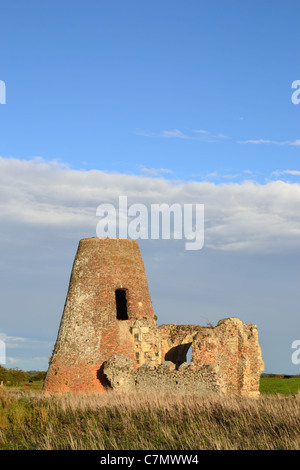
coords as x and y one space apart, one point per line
108 293
108 335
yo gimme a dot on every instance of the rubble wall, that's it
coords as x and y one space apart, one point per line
123 376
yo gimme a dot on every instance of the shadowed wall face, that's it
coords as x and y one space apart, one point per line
108 292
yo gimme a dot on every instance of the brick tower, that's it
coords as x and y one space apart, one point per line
107 297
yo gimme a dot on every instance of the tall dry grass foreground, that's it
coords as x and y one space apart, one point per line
154 421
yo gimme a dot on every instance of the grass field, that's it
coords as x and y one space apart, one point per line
267 385
115 421
26 387
279 385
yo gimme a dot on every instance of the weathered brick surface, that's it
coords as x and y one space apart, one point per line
232 345
89 332
94 349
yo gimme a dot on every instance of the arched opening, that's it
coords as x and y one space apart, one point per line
102 378
189 354
121 304
178 354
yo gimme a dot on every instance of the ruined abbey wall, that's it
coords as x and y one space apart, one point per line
103 342
231 345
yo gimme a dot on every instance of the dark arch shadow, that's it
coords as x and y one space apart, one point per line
177 354
102 377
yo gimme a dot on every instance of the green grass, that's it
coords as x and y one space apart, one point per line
279 385
26 387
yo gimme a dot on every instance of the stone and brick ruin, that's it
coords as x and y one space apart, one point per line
108 336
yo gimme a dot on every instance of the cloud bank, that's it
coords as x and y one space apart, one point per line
243 216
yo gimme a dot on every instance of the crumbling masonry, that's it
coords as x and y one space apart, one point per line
108 337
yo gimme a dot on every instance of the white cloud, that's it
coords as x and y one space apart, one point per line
196 134
238 216
215 174
12 360
275 142
9 339
259 141
200 131
166 133
174 133
23 348
222 136
155 171
286 172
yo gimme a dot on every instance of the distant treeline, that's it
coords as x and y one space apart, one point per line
280 376
17 376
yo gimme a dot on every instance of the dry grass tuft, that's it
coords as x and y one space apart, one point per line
153 421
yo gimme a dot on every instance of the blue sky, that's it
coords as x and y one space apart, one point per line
124 86
163 101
